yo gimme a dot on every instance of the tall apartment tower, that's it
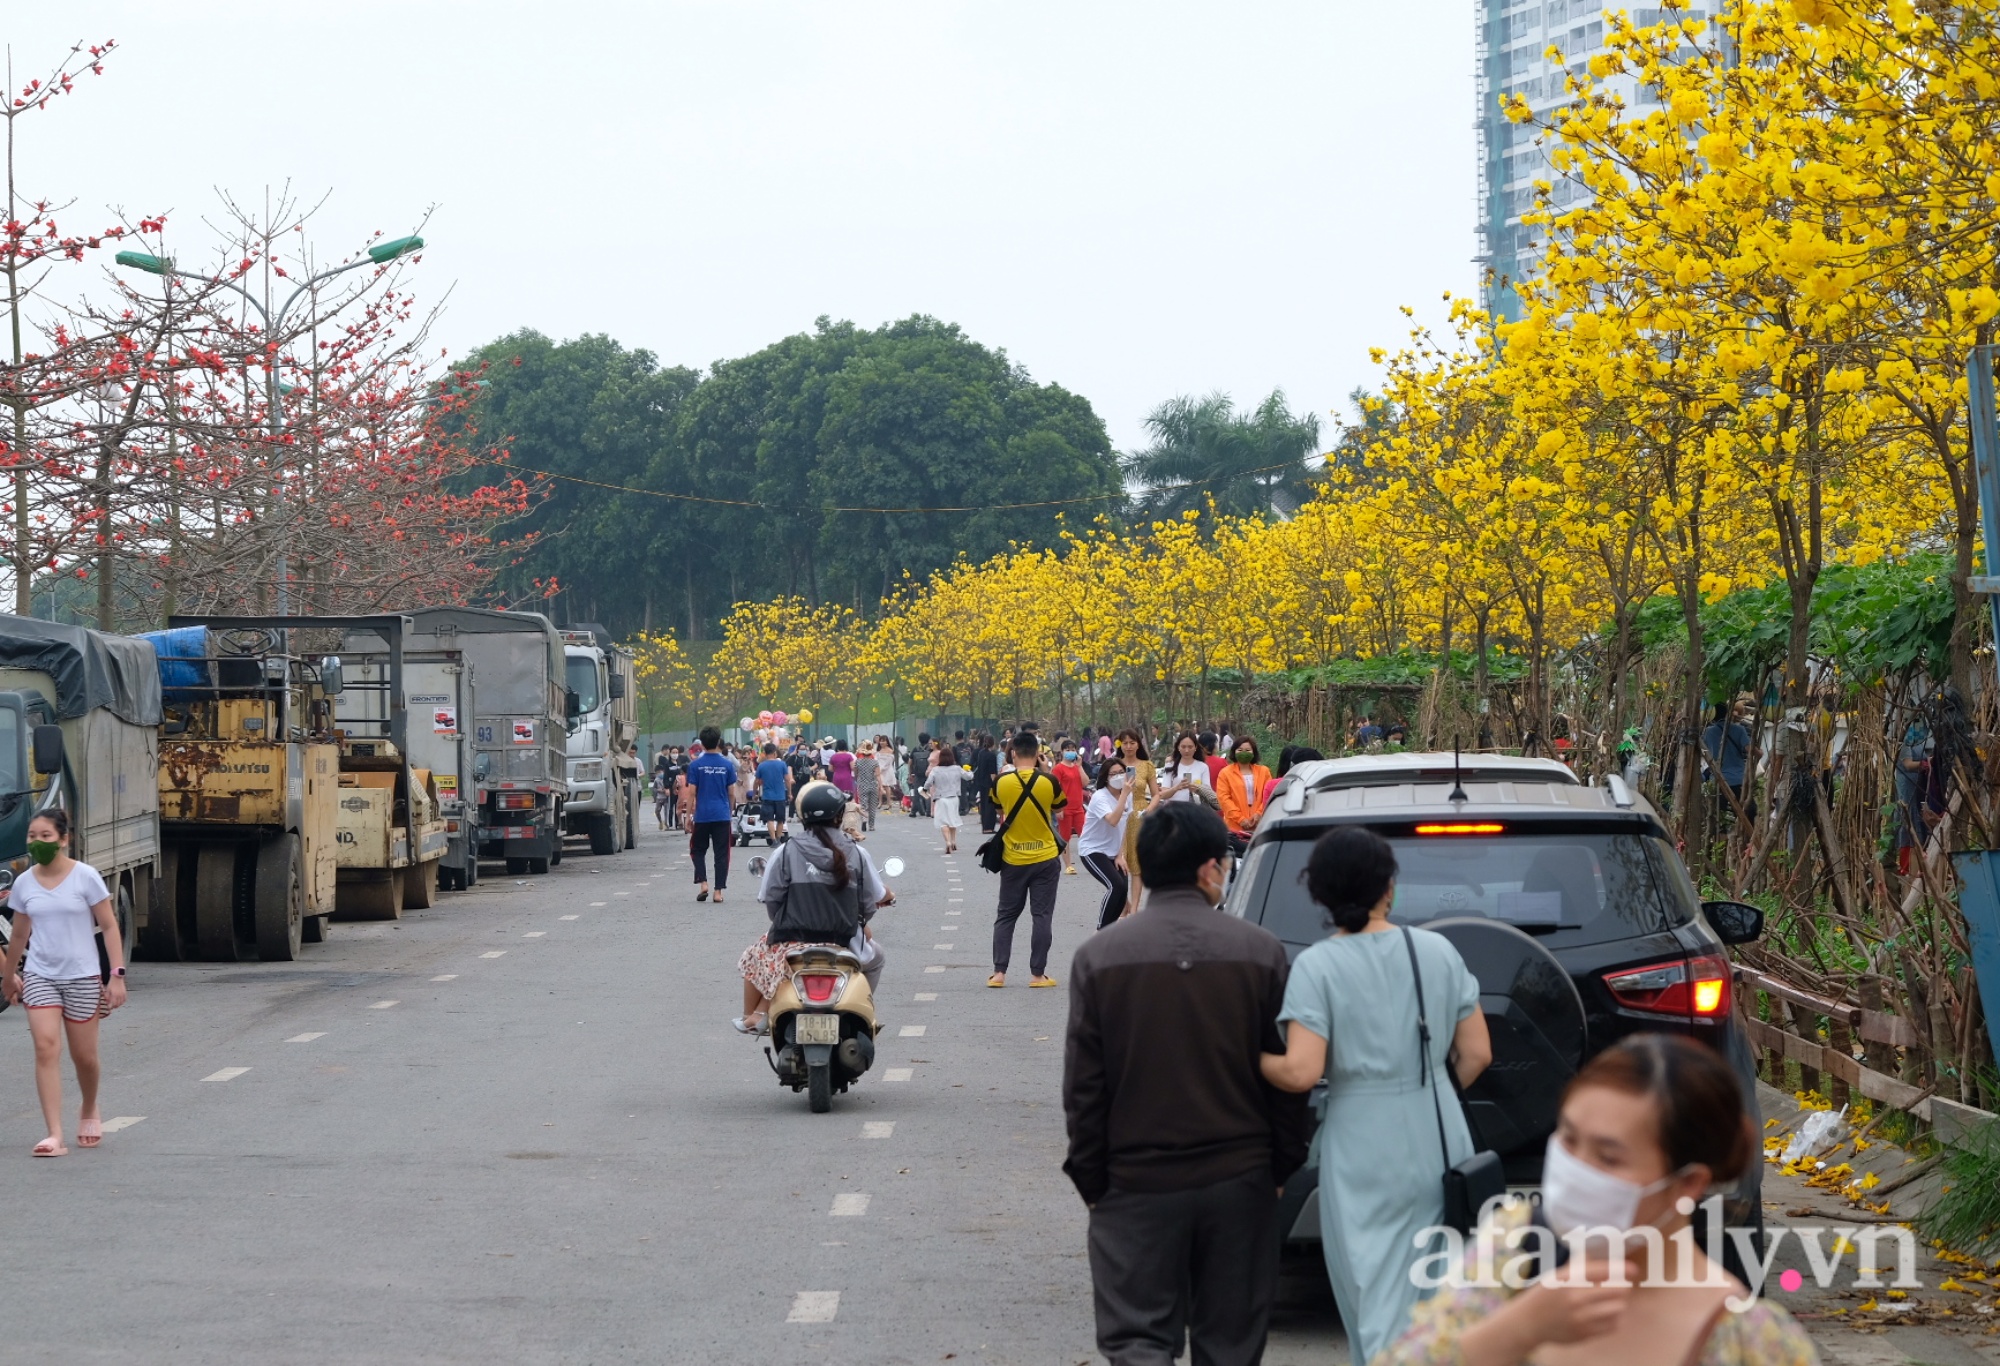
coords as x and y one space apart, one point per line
1514 35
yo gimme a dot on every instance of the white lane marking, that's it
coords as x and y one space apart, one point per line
534 934
621 894
445 977
878 1128
383 1005
953 900
113 1125
954 912
494 953
936 967
848 1207
947 928
600 903
814 1306
912 1031
226 1074
899 1074
927 996
569 917
307 1038
945 947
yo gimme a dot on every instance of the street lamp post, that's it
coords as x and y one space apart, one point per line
378 255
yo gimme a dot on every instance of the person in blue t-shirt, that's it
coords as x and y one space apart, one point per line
774 786
713 780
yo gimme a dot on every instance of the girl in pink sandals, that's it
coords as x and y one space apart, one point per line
58 904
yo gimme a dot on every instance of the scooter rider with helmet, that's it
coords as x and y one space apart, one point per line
820 887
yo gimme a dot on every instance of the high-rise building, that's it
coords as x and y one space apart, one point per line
1514 39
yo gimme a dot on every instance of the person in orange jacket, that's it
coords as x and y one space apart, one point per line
1243 787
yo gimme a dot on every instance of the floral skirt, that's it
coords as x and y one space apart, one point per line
763 965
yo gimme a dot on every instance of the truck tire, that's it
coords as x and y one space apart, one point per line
281 896
160 939
517 867
539 866
603 834
225 913
122 910
632 819
420 885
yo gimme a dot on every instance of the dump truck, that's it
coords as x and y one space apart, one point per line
520 730
79 723
442 700
274 819
604 768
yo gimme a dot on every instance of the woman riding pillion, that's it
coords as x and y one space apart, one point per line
59 904
821 887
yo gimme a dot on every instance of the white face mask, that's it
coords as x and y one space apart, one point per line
1576 1195
1117 781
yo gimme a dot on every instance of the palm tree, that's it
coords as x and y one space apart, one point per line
1248 463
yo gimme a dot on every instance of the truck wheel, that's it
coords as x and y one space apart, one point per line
315 929
540 865
555 853
160 939
603 834
280 899
122 910
420 884
632 820
225 913
517 867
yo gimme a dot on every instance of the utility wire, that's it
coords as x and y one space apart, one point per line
740 503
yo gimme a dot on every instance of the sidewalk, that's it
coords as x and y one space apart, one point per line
1933 1325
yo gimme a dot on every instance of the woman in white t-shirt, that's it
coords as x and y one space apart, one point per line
943 784
1184 777
59 906
1103 836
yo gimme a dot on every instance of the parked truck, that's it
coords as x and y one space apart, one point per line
79 726
520 730
442 701
604 767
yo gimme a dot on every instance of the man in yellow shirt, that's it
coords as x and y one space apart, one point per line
1031 859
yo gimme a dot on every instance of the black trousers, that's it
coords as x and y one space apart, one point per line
1031 886
1201 1263
707 834
989 814
1104 868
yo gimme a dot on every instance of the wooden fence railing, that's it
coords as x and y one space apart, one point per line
1829 1064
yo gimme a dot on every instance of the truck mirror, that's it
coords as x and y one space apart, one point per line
617 686
330 681
48 749
572 704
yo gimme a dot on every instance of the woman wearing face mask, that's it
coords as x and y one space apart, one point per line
59 906
1651 1122
1068 774
1243 787
1103 835
1381 1173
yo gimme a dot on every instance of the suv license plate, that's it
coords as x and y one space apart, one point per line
816 1029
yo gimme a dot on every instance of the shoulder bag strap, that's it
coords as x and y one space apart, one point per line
1424 1042
1027 790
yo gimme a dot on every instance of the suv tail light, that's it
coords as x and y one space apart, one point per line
818 987
1694 987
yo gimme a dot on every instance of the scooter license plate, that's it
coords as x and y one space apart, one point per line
816 1029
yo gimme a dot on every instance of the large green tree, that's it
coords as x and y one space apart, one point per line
1255 462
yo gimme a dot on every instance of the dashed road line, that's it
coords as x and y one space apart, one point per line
445 977
226 1074
814 1306
600 903
494 953
899 1074
942 948
534 934
384 1005
927 996
878 1128
307 1038
935 967
848 1206
569 917
117 1122
911 1031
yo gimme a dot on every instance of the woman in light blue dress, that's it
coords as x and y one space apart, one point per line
1381 1174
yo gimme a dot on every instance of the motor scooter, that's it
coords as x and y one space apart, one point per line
822 1018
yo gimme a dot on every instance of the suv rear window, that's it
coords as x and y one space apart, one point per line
1576 888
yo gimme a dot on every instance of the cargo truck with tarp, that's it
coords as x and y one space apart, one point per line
79 725
520 730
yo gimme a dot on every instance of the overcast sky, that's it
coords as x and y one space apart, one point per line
1134 200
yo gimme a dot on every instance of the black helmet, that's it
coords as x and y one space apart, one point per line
821 803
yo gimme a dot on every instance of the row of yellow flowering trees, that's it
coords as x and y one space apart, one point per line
1742 362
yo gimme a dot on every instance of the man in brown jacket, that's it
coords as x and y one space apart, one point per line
1176 1142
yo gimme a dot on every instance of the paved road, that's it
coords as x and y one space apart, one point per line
518 1128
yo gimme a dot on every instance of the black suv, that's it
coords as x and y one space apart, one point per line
1568 903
